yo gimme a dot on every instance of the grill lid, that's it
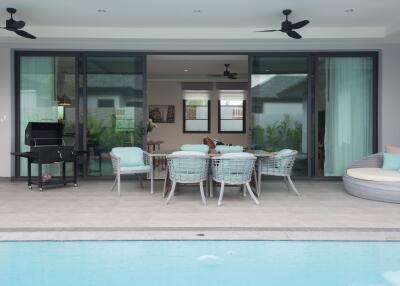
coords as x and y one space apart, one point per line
44 133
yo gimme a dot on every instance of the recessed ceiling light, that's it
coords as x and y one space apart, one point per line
186 70
101 10
350 10
197 11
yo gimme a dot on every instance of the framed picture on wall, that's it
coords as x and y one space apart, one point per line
162 113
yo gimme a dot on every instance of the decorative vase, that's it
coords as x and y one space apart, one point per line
148 137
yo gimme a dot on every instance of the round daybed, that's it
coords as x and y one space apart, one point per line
366 179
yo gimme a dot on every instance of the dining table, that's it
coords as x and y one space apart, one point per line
161 154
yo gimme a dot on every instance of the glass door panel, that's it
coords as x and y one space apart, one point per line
344 96
114 100
279 95
47 94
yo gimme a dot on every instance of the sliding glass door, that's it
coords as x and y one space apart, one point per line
47 88
114 113
344 111
98 97
279 96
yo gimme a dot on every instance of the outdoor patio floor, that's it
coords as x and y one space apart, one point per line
322 205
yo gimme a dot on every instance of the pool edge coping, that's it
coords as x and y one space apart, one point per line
202 234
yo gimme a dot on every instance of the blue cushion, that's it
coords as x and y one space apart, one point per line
189 153
242 155
143 168
391 161
129 156
195 147
228 149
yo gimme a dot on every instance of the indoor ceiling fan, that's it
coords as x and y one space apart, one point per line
288 27
228 73
16 26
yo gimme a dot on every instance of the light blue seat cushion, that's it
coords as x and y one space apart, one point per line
129 156
195 147
391 161
243 155
223 149
189 153
143 168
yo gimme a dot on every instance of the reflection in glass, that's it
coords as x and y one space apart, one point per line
114 108
279 89
47 94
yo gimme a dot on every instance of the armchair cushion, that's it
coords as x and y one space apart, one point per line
129 156
143 168
195 147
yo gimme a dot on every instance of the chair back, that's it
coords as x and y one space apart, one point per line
195 147
188 166
280 164
233 168
224 149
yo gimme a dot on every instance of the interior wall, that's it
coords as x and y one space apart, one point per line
170 93
389 87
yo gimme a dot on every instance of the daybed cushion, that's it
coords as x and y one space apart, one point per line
392 149
391 161
374 174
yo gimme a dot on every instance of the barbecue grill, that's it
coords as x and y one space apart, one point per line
47 146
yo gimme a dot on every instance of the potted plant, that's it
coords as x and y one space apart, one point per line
150 126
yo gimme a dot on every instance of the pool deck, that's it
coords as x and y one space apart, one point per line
91 212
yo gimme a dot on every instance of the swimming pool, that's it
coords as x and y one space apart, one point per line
117 263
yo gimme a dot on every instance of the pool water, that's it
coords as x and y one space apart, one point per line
117 263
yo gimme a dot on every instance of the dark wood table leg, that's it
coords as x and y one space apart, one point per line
75 172
63 173
29 173
40 178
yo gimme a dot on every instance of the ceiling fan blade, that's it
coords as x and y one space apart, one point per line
299 25
293 34
24 34
263 31
19 24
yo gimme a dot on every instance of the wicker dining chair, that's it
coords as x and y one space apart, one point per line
187 167
279 165
234 169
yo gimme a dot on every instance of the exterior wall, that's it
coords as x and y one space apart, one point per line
170 93
389 97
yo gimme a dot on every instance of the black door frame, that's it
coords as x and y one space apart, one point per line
311 119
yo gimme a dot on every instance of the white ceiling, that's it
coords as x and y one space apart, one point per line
219 19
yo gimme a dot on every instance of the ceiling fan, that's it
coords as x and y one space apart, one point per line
228 73
288 27
16 26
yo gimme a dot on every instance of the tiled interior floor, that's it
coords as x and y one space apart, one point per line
92 205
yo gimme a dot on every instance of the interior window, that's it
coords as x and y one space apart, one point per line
196 109
231 113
